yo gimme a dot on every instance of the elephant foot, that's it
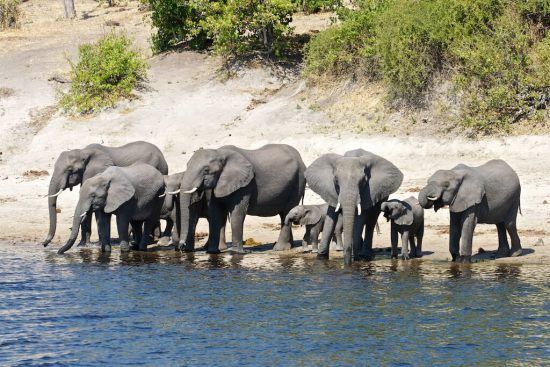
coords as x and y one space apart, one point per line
306 249
239 250
455 257
222 246
418 254
321 256
282 246
503 252
394 255
516 253
466 259
368 256
213 251
164 241
405 257
339 247
84 243
124 247
106 248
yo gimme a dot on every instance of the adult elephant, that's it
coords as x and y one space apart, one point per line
133 194
489 193
264 182
73 167
357 182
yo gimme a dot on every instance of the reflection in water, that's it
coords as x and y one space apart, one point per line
171 308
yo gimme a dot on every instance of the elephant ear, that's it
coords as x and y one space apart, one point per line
406 219
120 190
313 216
320 177
383 179
237 173
470 192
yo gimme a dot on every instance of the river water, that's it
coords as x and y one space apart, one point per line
171 309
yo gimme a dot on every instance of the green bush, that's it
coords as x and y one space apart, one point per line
107 71
314 6
9 13
489 46
233 27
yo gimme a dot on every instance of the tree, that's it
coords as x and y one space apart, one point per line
70 13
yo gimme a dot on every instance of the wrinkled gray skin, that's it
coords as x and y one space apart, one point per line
132 194
489 194
313 217
264 182
407 219
196 205
359 179
73 167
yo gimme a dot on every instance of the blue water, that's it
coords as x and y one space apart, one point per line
168 309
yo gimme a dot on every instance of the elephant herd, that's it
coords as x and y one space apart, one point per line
227 184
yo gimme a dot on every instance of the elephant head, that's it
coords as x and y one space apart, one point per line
354 182
304 215
459 188
222 170
106 192
398 211
172 184
69 170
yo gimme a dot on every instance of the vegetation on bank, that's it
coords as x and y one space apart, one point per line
107 71
10 13
495 51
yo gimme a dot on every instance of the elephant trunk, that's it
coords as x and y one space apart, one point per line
57 184
349 203
289 218
187 218
428 195
79 214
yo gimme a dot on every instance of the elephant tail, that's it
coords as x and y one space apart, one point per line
377 229
519 207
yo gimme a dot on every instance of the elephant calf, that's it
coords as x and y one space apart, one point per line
313 217
132 193
489 194
407 219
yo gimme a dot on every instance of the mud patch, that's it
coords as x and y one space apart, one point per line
440 228
271 226
35 174
40 117
6 92
201 235
6 199
251 242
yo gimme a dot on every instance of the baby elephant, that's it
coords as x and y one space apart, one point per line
313 217
407 218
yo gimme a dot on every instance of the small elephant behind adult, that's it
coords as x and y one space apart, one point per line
170 208
313 217
489 193
131 193
407 219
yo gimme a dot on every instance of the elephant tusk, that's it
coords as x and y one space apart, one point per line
358 209
174 192
54 195
337 207
432 198
191 191
163 195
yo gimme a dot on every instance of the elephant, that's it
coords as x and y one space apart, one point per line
407 219
73 167
357 180
196 208
263 182
133 194
489 193
313 217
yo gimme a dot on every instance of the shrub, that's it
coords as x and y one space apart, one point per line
107 71
9 13
314 6
233 27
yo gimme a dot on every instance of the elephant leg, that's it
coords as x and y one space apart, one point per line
405 245
328 229
455 227
503 245
284 242
223 244
514 237
370 223
338 233
215 223
123 225
104 230
314 237
166 235
419 236
237 223
137 228
307 240
86 231
469 221
394 240
357 241
412 249
148 234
